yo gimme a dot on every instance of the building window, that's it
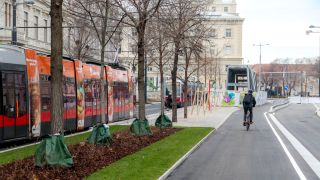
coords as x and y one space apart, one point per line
134 32
225 9
149 68
227 50
214 9
25 23
213 33
36 22
228 33
134 48
7 14
45 31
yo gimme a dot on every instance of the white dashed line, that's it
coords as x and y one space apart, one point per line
293 162
304 152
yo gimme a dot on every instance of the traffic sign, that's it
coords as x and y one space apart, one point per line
286 88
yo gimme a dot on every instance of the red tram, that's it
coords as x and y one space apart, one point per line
25 94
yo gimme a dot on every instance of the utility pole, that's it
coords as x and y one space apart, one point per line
205 69
145 78
260 65
14 22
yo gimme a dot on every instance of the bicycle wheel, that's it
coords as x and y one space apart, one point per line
248 121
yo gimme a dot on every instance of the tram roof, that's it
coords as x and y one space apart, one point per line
12 55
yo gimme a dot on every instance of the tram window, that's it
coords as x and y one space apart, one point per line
69 93
45 78
69 89
20 94
8 94
45 103
97 94
70 102
88 92
45 91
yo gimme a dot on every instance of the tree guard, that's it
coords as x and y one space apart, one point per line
52 151
140 127
163 121
100 135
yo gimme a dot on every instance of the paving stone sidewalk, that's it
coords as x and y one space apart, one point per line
198 118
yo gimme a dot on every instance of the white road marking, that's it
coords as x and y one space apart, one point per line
293 162
317 108
304 152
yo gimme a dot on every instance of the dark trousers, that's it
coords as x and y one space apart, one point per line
246 109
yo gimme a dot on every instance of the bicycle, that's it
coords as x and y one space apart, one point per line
247 122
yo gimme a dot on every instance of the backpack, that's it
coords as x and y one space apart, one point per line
247 100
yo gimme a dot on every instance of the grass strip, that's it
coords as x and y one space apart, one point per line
22 153
151 162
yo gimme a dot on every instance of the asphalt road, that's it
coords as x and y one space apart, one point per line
232 153
301 121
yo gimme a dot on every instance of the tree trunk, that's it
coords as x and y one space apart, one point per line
185 93
174 82
141 66
185 86
56 67
102 93
102 72
161 84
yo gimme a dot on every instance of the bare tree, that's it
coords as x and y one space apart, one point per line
56 67
56 154
159 50
78 42
139 13
180 17
193 46
98 13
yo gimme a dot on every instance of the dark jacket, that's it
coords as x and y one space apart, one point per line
252 101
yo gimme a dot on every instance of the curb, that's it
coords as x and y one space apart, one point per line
279 106
35 143
184 157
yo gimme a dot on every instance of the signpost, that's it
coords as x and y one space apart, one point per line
286 89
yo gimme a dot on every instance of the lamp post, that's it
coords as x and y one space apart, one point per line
260 71
308 32
14 21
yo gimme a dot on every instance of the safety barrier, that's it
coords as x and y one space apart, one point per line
208 100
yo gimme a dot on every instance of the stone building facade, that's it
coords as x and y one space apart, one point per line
35 16
223 47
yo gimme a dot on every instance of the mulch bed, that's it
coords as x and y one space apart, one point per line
87 158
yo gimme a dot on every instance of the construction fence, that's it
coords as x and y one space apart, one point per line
209 100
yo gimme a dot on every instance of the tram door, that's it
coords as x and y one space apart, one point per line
13 105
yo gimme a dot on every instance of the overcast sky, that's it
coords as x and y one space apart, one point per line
282 24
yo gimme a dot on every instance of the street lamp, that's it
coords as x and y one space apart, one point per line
260 45
308 32
14 22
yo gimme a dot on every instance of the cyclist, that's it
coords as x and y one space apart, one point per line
248 103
